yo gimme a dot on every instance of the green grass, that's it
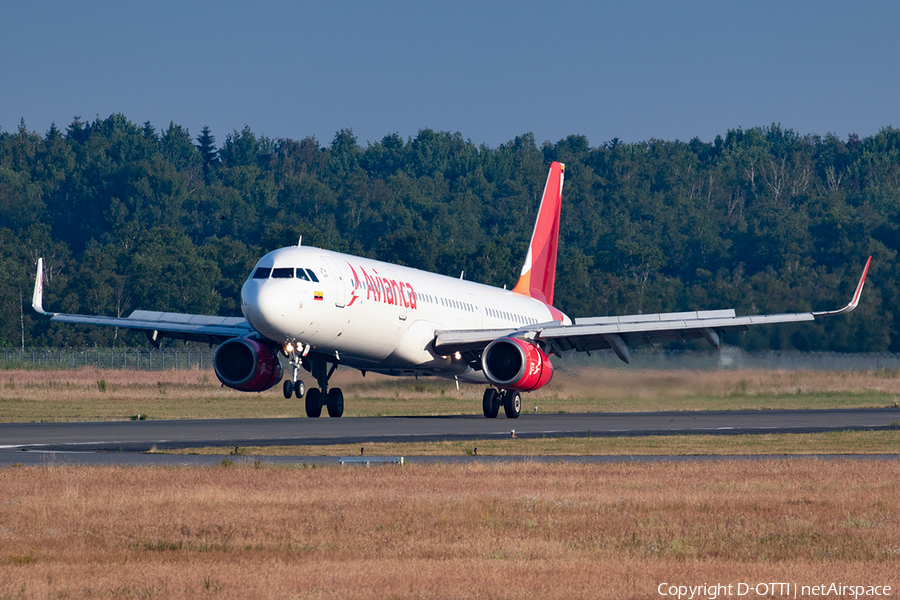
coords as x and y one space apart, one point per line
840 442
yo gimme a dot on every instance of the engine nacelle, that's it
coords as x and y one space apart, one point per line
516 364
247 365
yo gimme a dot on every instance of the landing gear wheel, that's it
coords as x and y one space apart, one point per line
288 389
490 403
313 403
299 389
512 404
335 402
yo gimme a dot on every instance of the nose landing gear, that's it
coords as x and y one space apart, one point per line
294 386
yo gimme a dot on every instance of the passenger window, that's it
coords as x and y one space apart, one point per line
301 274
283 273
262 273
312 275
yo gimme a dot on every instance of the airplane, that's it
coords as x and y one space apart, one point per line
324 309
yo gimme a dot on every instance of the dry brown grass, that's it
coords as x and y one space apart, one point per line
446 531
90 394
28 395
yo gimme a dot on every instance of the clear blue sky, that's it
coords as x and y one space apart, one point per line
490 70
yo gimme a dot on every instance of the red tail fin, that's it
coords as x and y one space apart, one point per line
539 271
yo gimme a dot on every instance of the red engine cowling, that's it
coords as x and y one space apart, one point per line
516 364
247 365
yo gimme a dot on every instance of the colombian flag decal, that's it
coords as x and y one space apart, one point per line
318 296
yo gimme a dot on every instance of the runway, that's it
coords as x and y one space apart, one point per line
31 443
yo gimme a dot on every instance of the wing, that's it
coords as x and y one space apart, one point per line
156 325
621 333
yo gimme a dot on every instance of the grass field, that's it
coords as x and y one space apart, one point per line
508 530
93 394
475 530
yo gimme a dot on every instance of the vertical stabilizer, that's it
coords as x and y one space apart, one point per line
539 271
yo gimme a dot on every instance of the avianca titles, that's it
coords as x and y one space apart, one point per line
323 309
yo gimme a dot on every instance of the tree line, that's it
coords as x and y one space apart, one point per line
761 220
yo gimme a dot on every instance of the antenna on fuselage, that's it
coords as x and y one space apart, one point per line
300 241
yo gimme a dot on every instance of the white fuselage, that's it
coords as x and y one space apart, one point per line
373 315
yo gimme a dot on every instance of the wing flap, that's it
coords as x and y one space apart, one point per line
676 316
187 319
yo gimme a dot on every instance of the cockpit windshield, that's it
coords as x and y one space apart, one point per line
285 273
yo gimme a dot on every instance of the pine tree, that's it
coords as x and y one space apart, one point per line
207 147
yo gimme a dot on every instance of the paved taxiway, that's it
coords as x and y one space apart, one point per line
30 443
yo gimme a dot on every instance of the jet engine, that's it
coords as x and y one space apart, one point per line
247 365
516 364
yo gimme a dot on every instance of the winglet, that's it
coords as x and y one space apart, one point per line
853 302
539 271
37 299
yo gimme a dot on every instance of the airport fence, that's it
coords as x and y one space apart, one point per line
733 358
201 357
143 359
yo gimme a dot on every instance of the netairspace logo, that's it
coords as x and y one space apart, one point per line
771 590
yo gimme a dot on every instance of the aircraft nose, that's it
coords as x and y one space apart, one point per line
263 305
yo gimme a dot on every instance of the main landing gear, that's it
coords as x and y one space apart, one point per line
316 398
510 399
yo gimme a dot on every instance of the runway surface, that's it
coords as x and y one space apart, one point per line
124 441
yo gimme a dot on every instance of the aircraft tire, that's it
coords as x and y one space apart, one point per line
299 389
314 403
288 388
512 404
335 402
490 403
